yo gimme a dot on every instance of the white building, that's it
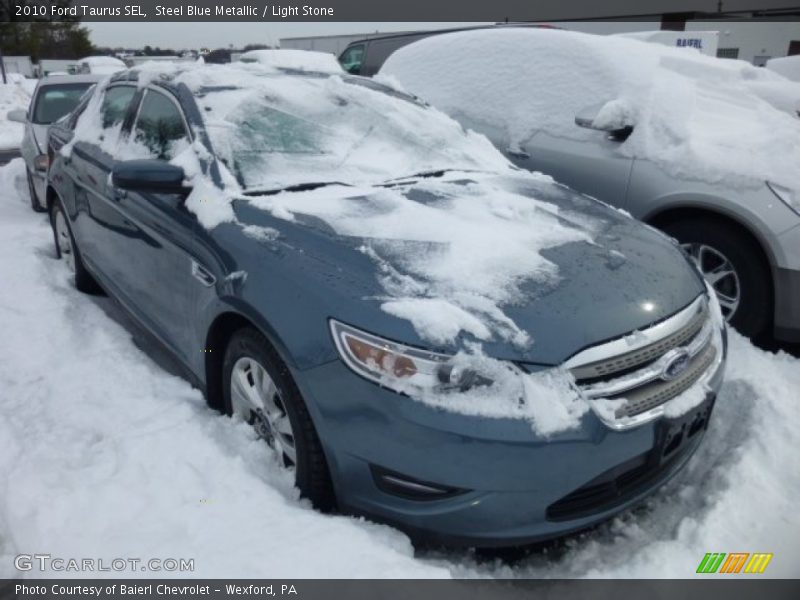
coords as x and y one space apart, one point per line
18 64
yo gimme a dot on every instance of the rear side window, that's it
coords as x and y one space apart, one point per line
160 125
352 58
55 101
115 104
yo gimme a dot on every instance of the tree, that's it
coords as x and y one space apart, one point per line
41 36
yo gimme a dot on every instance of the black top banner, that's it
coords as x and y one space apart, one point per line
381 10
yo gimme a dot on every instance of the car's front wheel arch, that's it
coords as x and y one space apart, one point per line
699 222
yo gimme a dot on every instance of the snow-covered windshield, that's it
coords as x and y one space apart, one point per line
278 129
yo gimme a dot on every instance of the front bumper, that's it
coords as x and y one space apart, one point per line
787 289
512 478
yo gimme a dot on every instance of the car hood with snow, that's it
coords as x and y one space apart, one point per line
528 268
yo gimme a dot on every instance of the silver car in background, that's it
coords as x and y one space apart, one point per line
554 101
54 97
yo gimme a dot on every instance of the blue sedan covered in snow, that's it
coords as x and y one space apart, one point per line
425 334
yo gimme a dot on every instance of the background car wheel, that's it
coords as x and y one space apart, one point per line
734 266
68 251
35 204
259 388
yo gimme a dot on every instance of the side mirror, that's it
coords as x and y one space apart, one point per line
148 176
610 117
18 116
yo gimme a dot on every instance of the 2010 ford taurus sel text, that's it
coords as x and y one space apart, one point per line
425 334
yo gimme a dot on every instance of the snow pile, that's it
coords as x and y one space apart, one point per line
102 65
13 96
697 116
296 60
107 455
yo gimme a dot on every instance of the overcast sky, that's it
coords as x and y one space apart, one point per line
215 35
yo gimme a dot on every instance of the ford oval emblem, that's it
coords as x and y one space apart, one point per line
676 365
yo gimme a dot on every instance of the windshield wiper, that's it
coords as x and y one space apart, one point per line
298 187
425 175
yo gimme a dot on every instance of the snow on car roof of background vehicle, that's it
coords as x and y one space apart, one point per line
300 60
103 65
697 116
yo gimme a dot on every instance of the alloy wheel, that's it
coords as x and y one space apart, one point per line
256 398
719 273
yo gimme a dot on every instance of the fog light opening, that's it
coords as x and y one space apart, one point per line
397 484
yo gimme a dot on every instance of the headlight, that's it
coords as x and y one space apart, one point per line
399 367
788 196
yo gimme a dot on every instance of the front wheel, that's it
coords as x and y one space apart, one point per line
733 265
259 388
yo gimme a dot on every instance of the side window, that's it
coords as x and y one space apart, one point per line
159 125
352 58
115 104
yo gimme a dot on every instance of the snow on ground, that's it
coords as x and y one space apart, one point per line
14 95
106 454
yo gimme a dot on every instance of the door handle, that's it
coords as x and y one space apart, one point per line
202 274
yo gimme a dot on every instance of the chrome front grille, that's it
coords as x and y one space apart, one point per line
658 392
664 362
644 355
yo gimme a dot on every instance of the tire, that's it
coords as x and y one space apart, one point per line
35 204
67 249
753 312
312 476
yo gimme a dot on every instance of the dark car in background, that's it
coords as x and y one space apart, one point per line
249 219
53 98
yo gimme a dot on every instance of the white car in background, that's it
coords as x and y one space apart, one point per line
54 97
